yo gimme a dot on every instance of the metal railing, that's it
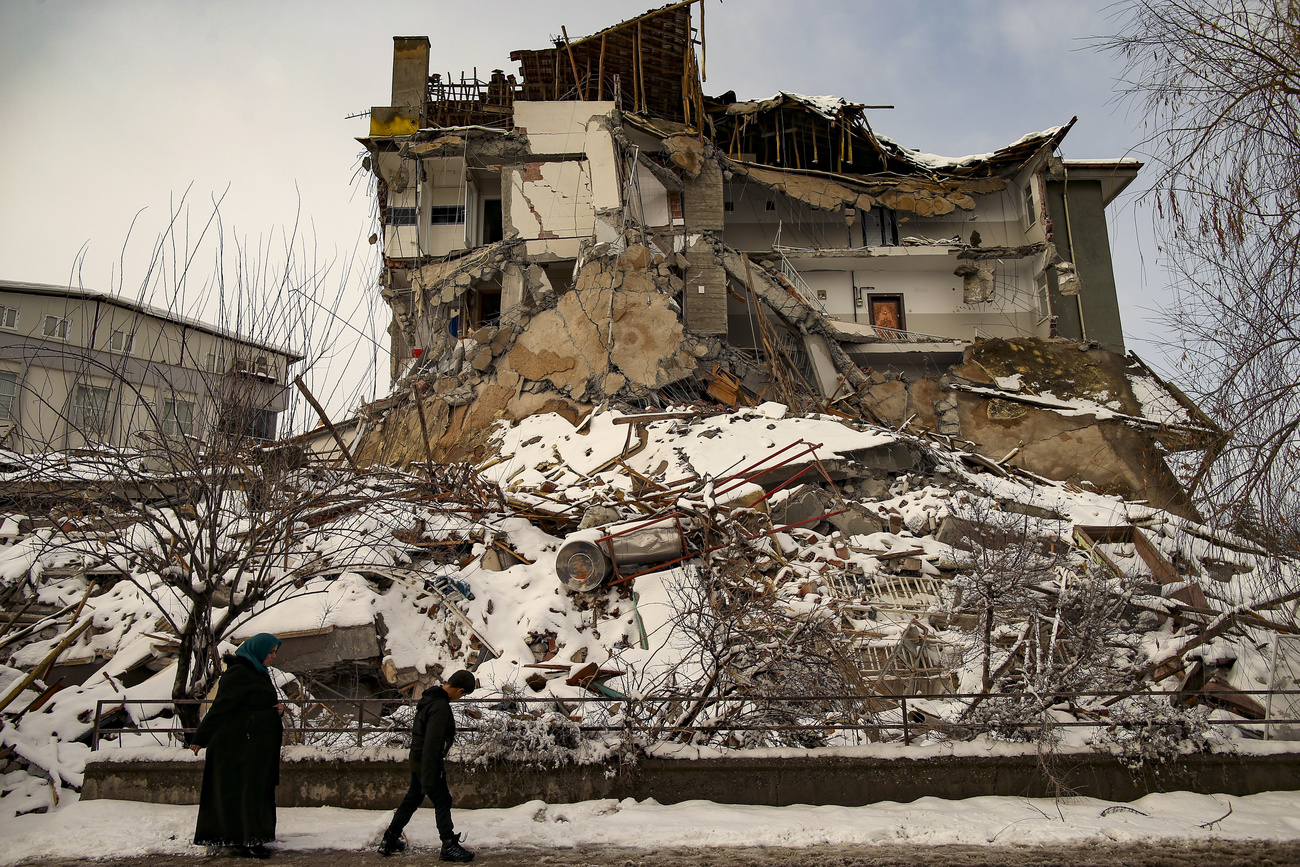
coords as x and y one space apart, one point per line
874 714
801 287
898 335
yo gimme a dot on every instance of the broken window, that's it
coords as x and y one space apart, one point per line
1031 215
887 315
493 227
487 307
446 215
8 388
880 227
90 409
177 418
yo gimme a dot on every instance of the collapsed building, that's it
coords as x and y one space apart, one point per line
754 397
596 228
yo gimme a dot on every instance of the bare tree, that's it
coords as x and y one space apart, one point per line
1218 82
209 522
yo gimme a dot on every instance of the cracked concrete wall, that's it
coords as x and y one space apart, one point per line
615 333
554 204
1110 455
552 201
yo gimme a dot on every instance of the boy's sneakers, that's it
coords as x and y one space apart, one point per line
453 851
391 845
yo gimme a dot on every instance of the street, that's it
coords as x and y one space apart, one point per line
1220 854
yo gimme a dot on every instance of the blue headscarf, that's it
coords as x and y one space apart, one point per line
256 649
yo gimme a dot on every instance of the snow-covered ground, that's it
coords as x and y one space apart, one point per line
119 829
699 469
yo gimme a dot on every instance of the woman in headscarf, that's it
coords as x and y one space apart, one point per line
242 732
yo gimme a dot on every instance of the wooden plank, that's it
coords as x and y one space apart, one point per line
1166 573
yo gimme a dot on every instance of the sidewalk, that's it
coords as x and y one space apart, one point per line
603 831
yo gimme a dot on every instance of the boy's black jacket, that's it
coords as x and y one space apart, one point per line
432 734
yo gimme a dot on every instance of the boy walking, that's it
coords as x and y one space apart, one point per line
432 734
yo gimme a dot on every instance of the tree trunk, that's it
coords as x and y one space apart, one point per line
988 647
196 661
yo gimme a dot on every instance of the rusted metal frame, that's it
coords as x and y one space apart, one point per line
765 458
827 476
608 541
709 550
784 484
811 450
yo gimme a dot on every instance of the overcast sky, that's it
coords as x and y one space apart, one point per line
113 110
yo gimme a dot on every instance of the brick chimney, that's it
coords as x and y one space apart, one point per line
410 71
410 86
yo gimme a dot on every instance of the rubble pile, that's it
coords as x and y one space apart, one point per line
683 565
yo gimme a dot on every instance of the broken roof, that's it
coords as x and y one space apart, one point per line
647 65
645 61
830 133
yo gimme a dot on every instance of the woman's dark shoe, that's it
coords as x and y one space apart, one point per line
259 851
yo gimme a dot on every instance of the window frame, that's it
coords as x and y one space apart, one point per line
446 215
7 406
170 421
87 418
401 215
4 314
128 341
61 324
884 219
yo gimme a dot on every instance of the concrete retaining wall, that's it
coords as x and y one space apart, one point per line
777 782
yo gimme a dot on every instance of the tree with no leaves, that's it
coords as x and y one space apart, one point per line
206 519
1219 83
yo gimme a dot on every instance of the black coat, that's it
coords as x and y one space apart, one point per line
432 734
242 732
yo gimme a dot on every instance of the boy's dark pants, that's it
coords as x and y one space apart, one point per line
438 793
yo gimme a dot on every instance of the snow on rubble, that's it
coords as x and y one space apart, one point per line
796 533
